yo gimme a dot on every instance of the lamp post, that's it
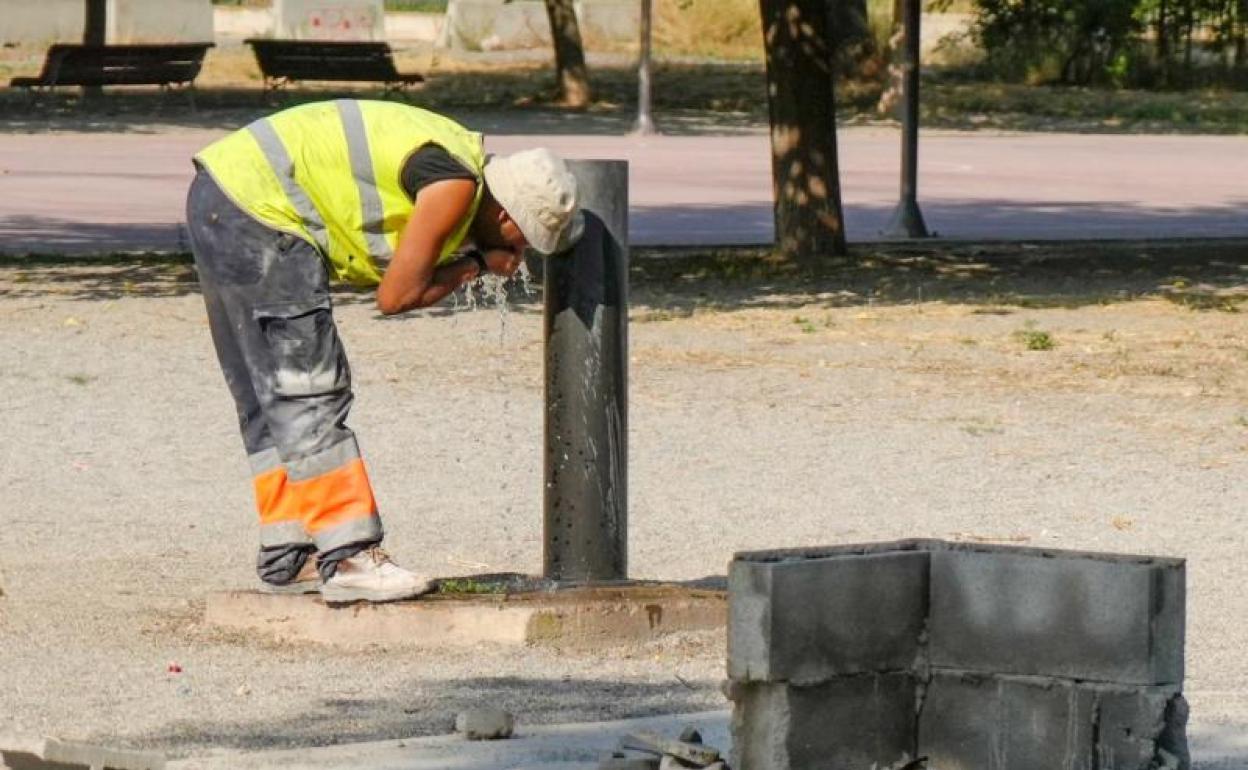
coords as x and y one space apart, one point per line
907 220
645 122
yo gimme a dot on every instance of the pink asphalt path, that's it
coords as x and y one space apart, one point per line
77 193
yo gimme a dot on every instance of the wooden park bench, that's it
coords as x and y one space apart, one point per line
285 61
165 65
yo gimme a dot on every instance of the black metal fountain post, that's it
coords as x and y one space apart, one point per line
585 501
907 220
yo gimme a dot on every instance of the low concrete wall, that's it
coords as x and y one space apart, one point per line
129 21
159 21
425 27
490 25
42 23
238 23
329 19
999 658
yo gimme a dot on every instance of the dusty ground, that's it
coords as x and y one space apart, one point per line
895 398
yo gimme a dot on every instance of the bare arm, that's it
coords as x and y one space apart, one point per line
414 278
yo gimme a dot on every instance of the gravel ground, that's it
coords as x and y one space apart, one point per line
772 418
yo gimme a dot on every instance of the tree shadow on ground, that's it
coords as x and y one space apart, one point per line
1202 274
709 225
691 99
430 710
1209 274
988 219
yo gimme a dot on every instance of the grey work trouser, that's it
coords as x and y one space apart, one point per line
267 294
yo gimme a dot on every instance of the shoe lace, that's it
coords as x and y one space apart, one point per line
378 555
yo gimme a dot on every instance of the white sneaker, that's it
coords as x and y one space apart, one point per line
371 576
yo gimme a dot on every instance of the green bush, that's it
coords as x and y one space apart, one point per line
1113 42
1067 41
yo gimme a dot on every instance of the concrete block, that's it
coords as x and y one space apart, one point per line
848 723
971 721
806 620
24 752
1092 617
485 724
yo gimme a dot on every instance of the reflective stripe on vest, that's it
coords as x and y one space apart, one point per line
330 172
373 216
284 168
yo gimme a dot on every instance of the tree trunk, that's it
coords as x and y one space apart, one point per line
570 67
801 58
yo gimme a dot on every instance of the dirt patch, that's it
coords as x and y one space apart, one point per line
772 405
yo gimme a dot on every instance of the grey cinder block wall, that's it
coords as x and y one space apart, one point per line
978 657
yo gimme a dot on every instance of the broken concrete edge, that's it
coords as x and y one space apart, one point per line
68 752
933 544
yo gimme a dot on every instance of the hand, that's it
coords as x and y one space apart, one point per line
504 262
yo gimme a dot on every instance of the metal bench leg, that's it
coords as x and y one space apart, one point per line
400 89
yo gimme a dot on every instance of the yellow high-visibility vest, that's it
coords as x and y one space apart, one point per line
329 172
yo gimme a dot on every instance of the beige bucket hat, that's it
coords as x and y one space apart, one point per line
539 193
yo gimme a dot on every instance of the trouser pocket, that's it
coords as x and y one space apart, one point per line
308 357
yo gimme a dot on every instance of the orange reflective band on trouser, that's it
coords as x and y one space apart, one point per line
281 517
273 499
336 498
335 508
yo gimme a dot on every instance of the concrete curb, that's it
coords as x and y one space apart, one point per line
577 746
574 617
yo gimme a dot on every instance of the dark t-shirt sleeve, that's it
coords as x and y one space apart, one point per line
431 164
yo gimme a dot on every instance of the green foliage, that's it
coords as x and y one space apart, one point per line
1071 41
1035 339
804 324
1114 42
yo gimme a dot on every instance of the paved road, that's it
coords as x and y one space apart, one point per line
91 192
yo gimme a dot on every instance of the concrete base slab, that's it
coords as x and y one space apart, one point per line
567 617
550 747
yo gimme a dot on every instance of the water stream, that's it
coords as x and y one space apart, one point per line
495 289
